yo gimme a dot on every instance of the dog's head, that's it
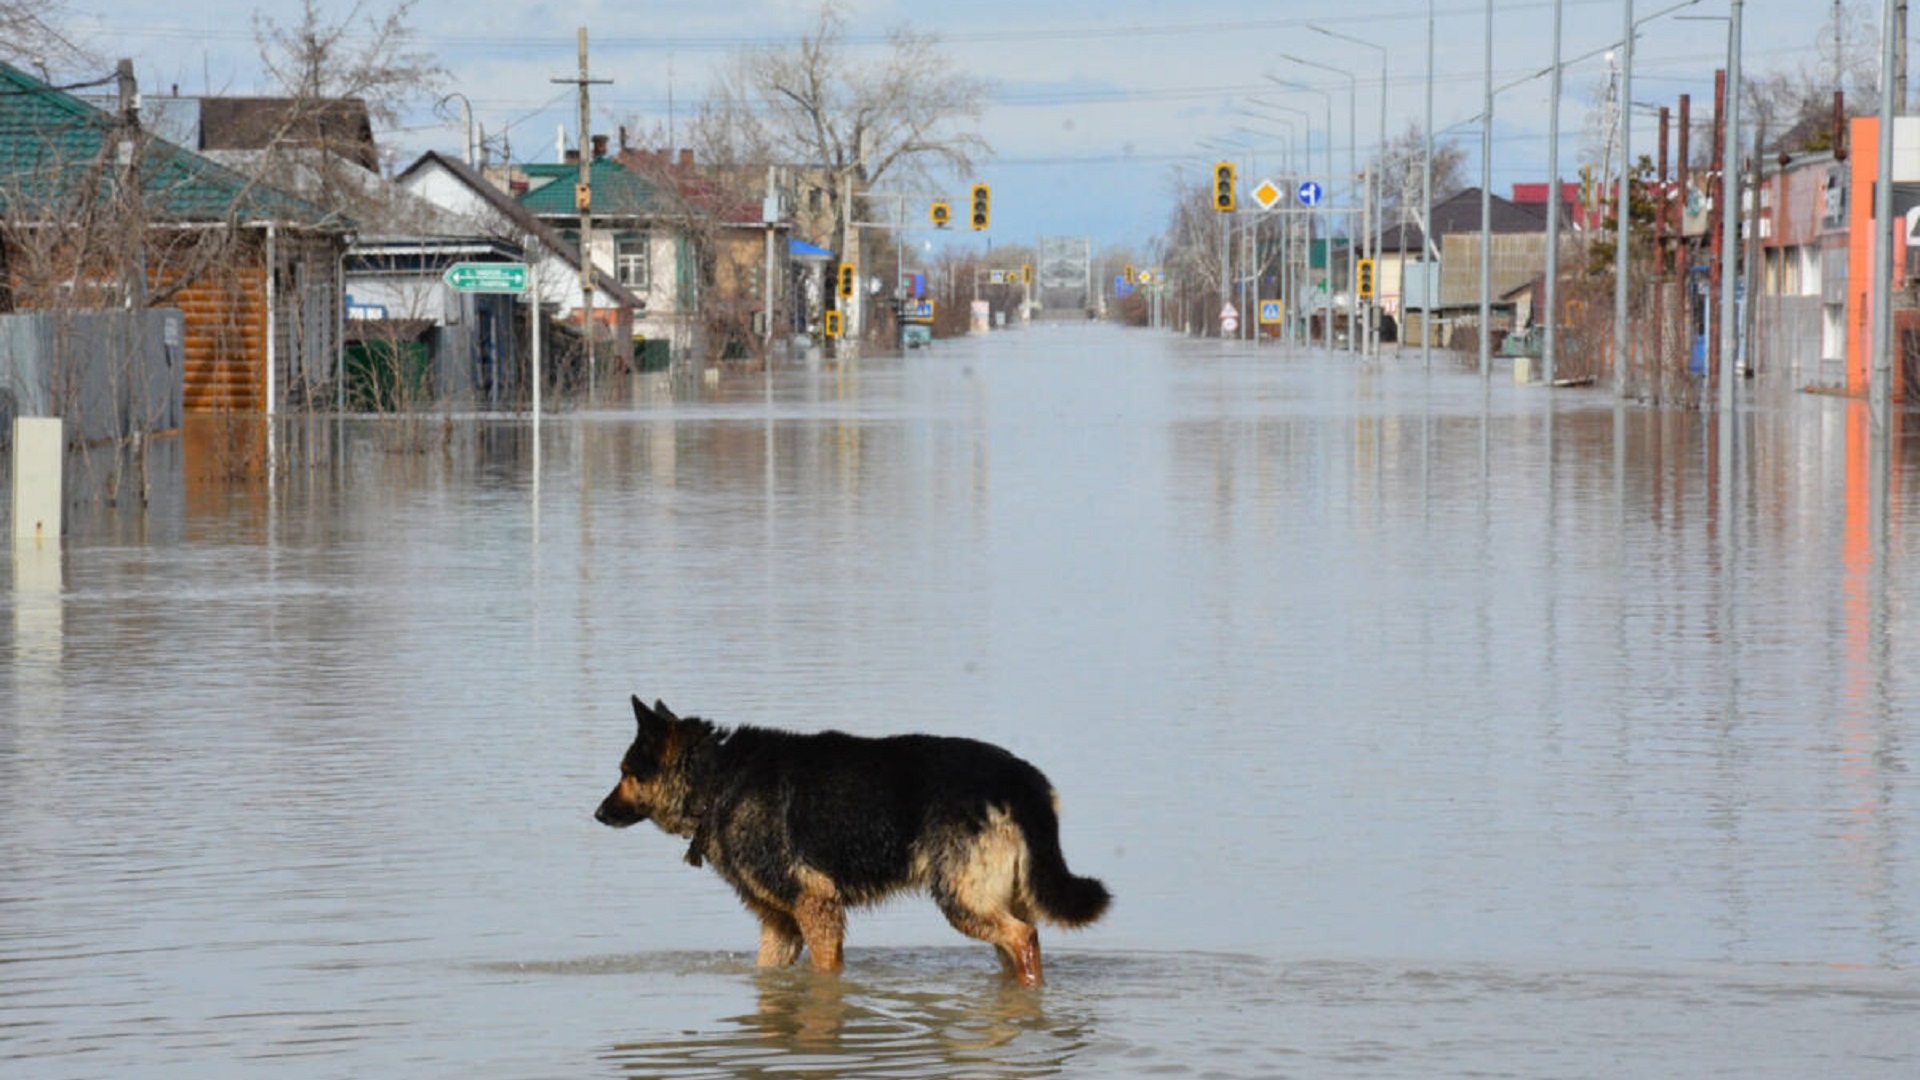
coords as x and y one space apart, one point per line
655 779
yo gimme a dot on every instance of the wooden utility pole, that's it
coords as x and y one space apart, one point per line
583 202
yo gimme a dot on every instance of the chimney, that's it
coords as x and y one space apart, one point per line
686 158
599 147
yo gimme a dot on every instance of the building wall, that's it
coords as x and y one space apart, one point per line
226 339
1864 161
1517 259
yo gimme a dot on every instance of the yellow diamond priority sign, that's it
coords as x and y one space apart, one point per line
1267 194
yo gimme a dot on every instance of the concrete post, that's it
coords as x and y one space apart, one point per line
39 452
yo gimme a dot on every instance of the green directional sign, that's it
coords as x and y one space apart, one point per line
487 277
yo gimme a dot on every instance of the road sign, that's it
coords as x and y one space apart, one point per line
487 277
1311 193
1267 194
1269 312
1229 319
1146 277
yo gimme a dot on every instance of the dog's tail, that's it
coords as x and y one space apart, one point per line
1054 891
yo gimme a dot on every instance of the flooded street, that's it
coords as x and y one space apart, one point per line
1420 727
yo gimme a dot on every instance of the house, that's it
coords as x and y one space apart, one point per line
748 221
95 212
639 235
486 212
1800 297
1452 290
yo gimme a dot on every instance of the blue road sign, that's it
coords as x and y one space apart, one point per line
1269 311
1311 193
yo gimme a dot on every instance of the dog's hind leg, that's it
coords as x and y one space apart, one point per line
1018 941
822 919
975 884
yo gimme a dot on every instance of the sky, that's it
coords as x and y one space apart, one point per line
1097 107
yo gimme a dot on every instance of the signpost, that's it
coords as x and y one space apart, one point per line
1229 319
1267 194
488 277
1269 312
1311 193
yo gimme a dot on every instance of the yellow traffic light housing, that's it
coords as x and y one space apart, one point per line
1127 274
833 323
1223 186
941 213
848 274
1365 269
981 196
1026 273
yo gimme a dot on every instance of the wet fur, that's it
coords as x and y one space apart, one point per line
804 826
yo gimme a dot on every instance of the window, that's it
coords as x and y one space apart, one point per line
630 259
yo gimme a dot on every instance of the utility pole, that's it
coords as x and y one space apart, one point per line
1486 211
1623 208
1729 211
1549 342
583 202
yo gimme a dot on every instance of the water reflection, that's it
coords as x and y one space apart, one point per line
901 1013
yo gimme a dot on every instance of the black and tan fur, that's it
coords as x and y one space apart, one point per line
805 826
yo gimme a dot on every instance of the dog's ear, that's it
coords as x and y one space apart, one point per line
643 715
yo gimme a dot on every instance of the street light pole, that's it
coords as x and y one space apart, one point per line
1486 210
1548 345
1353 180
1426 222
1304 164
1729 215
1377 203
1623 205
1326 337
1878 391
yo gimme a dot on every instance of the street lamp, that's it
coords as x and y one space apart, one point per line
1375 203
1353 179
1327 143
1255 266
1623 205
1291 282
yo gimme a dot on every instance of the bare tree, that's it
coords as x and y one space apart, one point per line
816 104
1793 108
363 55
30 36
1400 165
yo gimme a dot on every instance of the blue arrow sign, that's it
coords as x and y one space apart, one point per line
1311 193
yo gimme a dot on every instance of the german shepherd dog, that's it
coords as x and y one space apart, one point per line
804 826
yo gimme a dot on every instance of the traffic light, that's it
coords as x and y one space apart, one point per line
981 194
1223 186
1127 275
1365 268
847 274
941 213
833 323
1026 273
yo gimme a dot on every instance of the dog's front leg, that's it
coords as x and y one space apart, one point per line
780 939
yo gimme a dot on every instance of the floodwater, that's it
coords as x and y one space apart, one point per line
1421 727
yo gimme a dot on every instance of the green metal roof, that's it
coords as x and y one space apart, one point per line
52 143
617 191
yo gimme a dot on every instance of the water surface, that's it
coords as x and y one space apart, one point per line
1421 727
